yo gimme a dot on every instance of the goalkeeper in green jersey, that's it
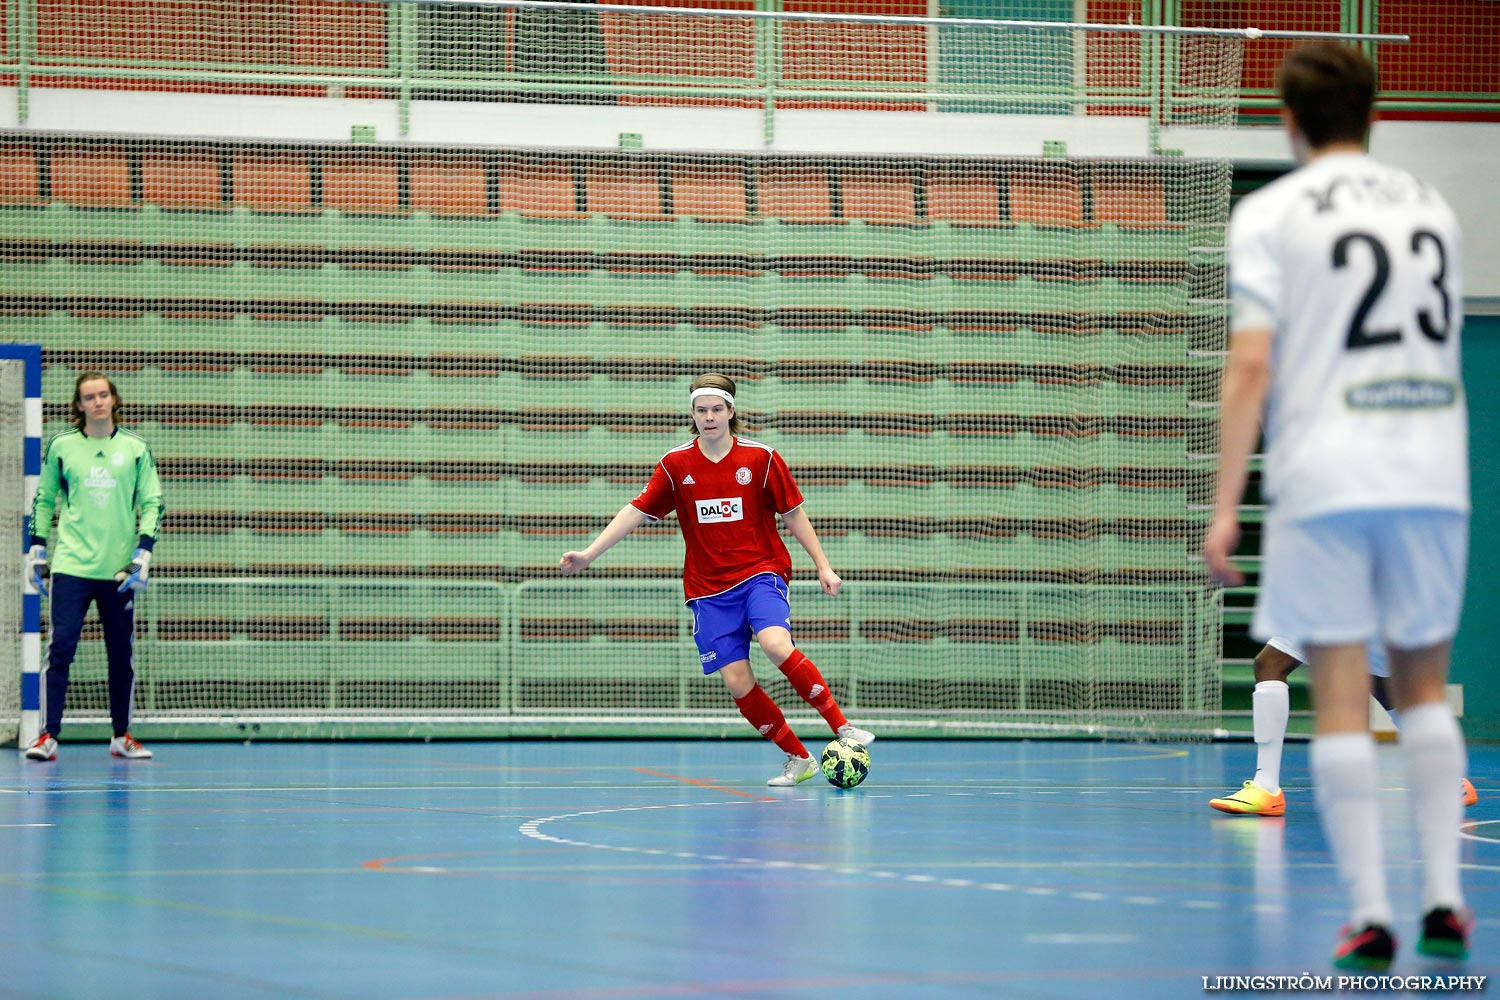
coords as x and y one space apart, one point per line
101 482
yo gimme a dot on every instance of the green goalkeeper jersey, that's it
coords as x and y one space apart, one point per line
107 497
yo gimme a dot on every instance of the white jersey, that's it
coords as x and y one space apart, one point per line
1356 268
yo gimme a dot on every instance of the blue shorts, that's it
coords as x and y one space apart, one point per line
724 623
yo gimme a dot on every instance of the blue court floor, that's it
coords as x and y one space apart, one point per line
605 870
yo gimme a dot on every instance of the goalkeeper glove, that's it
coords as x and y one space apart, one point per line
37 571
136 576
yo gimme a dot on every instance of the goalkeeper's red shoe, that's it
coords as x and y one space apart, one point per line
1252 800
1370 949
1470 796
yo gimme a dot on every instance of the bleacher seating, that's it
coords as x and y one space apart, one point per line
269 177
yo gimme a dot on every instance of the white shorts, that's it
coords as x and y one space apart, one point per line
1380 663
1389 576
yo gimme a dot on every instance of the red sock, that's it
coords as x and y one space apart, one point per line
761 712
809 683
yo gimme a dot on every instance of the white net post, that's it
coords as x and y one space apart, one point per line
20 604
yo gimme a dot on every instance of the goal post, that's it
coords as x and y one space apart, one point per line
20 605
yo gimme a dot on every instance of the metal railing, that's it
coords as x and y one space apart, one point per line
410 59
294 650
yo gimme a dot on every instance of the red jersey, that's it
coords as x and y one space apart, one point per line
727 510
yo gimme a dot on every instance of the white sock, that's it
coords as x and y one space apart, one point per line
1395 714
1346 788
1435 765
1270 707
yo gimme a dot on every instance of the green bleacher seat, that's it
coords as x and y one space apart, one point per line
245 281
182 664
571 636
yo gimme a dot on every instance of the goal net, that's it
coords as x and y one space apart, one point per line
407 299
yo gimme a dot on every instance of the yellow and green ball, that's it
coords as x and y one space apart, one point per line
845 762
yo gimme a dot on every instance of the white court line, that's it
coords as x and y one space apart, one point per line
1466 831
1081 938
513 786
247 789
533 829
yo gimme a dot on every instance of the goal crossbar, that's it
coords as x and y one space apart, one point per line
1248 32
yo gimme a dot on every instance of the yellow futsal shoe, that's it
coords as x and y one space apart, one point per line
1252 800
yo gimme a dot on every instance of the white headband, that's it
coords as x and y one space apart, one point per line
709 390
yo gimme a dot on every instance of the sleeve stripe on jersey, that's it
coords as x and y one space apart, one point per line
663 463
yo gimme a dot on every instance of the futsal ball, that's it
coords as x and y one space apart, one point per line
845 762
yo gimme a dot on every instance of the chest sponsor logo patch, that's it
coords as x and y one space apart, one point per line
99 484
721 510
1403 394
99 479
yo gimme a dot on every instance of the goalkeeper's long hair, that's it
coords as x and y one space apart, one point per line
716 380
77 407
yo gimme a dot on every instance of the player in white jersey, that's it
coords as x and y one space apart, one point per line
1271 709
1345 279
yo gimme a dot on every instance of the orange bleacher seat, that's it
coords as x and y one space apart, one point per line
963 193
181 177
1137 198
538 187
655 45
1046 194
796 192
449 185
629 188
879 194
20 180
94 175
709 190
358 182
273 180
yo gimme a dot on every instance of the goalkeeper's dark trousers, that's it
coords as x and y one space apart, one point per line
71 597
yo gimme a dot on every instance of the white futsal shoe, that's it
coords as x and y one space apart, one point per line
45 748
128 746
861 736
795 771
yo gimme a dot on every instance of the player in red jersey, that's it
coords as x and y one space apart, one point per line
727 492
